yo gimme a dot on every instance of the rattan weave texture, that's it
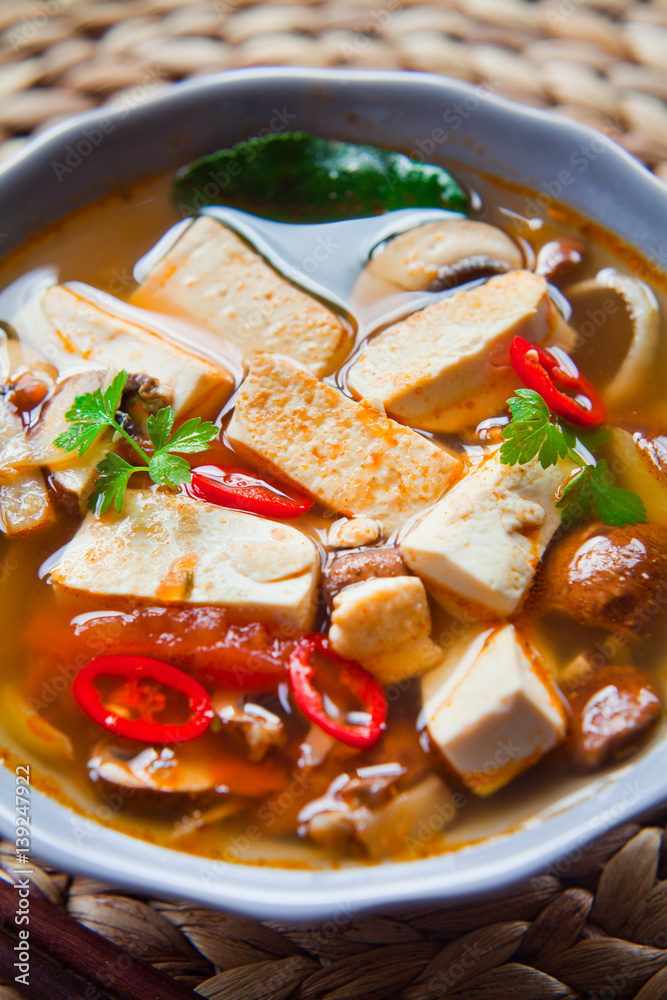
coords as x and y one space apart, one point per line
602 61
595 929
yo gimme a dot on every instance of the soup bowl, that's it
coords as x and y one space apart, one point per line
556 161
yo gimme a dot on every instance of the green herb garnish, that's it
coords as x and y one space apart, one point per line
533 432
295 175
95 411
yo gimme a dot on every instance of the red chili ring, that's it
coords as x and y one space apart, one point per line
133 669
357 680
541 371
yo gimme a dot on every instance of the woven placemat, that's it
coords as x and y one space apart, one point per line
596 931
597 926
602 62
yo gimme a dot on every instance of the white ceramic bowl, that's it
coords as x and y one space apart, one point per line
556 158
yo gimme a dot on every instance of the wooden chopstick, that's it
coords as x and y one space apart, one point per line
46 981
93 956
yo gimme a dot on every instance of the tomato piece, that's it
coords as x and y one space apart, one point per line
542 371
228 486
130 709
303 672
199 640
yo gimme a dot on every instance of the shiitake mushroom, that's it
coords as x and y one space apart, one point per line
444 254
609 577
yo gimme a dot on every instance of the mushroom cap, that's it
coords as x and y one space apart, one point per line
444 254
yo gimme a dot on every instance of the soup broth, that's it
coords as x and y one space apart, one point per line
299 773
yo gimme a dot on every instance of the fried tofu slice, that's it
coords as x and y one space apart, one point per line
492 708
481 545
85 329
447 366
213 276
171 549
347 455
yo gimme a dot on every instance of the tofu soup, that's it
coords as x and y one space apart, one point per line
314 583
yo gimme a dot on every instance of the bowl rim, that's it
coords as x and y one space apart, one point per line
65 838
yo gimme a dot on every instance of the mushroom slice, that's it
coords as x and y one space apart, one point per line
199 766
611 577
371 812
558 257
146 391
253 727
36 447
444 254
642 310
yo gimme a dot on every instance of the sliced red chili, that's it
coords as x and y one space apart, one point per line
227 486
130 708
541 370
366 688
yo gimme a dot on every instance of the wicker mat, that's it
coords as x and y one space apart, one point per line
599 930
602 62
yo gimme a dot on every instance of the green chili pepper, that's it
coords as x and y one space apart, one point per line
295 176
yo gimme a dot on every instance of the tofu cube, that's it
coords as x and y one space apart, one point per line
379 616
347 455
480 546
171 549
447 366
84 328
213 276
407 825
492 708
412 659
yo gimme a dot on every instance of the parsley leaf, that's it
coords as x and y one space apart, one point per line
613 504
95 411
594 487
193 435
576 497
169 470
159 427
114 475
532 433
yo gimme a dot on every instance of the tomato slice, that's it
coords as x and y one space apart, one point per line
147 687
228 486
198 640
